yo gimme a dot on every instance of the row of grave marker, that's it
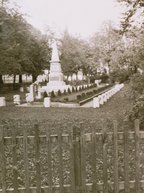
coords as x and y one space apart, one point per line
30 96
101 99
97 101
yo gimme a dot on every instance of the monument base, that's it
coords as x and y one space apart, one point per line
55 87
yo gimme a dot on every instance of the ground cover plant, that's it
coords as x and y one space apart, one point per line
55 120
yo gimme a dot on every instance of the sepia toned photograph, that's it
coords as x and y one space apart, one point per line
71 96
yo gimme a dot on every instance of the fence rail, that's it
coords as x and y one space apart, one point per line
75 162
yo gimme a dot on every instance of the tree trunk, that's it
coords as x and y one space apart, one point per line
34 78
1 80
20 78
14 81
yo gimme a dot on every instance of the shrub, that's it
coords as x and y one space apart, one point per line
52 94
66 99
137 94
69 91
78 97
59 93
73 90
88 93
137 111
104 78
83 95
82 87
137 85
45 94
65 92
119 76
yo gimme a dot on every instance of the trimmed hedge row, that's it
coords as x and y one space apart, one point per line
83 96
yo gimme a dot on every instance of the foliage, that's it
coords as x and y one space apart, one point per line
137 93
133 8
137 111
23 48
119 76
52 94
69 90
59 93
45 94
104 78
73 54
137 85
105 44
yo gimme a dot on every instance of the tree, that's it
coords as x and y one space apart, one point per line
106 43
23 48
38 55
136 36
133 7
73 54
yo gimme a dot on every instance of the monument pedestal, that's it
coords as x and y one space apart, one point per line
55 76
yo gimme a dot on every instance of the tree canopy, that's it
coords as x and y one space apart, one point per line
23 48
134 7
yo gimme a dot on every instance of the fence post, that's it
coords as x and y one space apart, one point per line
48 134
37 156
105 177
77 159
25 143
3 159
137 157
14 156
126 159
61 181
116 186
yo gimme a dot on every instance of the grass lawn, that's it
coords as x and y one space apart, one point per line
115 108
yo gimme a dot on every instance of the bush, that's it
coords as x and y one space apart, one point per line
119 76
73 89
104 78
52 94
66 99
45 94
69 91
65 92
137 94
78 97
137 111
83 95
59 93
137 85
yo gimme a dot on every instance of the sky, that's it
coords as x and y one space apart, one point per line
79 17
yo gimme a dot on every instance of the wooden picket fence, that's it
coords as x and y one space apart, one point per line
79 158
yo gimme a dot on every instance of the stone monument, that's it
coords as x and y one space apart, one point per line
55 74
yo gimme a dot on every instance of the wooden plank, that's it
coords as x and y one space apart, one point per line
126 159
61 181
49 160
94 174
14 157
77 159
26 162
3 159
73 188
83 161
137 158
105 178
116 185
120 135
37 156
